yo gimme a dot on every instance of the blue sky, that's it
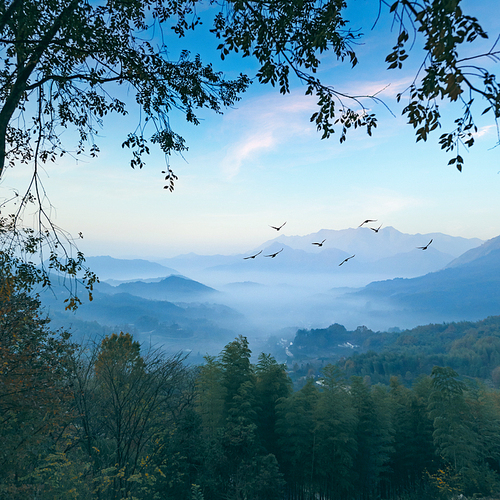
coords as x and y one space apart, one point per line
263 163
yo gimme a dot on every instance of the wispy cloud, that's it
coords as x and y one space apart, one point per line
264 124
485 131
246 149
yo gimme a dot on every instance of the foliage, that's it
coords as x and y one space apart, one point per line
113 419
20 245
69 58
64 55
126 401
446 74
34 393
470 348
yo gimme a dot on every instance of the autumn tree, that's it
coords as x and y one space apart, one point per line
127 400
34 391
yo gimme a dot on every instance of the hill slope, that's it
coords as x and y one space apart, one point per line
469 288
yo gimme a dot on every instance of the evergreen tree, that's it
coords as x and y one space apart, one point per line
413 443
453 434
296 428
373 436
272 384
335 435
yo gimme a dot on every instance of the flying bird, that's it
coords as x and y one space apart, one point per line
366 221
377 229
426 246
345 260
80 234
319 244
278 228
273 254
252 256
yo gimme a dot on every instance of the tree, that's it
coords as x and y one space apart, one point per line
414 450
335 430
210 396
464 431
296 429
126 400
453 435
373 435
34 393
236 402
272 384
63 61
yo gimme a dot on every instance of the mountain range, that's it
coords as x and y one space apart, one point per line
173 288
468 288
296 289
386 254
108 268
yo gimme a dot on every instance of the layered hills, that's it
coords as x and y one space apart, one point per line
303 287
388 253
468 288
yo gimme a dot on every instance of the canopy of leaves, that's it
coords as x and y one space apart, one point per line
64 60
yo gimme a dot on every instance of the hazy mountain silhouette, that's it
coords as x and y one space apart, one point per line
468 288
173 288
371 246
175 327
388 253
107 267
409 264
475 253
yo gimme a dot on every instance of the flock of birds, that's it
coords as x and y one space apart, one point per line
320 244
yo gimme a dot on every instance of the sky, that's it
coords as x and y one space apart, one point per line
262 163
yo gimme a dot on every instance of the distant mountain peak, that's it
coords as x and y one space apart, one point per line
109 268
475 253
371 246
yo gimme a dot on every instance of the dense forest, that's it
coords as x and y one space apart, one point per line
112 420
470 348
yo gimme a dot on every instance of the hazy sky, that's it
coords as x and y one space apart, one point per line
263 163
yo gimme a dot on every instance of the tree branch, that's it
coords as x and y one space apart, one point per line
19 86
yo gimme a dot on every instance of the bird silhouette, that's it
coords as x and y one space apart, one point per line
426 246
366 221
80 234
278 228
252 256
345 260
376 229
274 254
319 244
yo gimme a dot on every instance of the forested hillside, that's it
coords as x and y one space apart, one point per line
470 348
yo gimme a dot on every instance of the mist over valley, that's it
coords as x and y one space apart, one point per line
197 303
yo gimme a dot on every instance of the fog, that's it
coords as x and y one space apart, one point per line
199 303
273 302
